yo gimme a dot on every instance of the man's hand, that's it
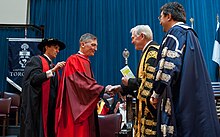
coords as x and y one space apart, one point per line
124 80
154 102
112 90
58 66
107 90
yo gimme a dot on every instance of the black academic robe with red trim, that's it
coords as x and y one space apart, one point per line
78 95
38 99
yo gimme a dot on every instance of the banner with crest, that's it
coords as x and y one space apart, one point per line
20 51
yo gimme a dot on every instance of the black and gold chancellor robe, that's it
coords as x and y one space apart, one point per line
145 113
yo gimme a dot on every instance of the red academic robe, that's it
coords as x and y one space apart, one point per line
78 96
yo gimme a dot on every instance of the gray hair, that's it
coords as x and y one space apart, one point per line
86 37
142 29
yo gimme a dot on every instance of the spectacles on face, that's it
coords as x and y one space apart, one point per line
159 17
162 14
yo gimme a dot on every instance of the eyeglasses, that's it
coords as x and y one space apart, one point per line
159 17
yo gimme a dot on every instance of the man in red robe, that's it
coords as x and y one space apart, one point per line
78 94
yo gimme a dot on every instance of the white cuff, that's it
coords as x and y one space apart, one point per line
49 73
155 95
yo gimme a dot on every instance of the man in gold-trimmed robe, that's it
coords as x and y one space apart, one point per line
145 117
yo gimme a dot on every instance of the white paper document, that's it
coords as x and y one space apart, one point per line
126 72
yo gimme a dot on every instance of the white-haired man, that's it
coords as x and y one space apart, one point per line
145 119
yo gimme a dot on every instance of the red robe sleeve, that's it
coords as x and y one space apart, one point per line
82 90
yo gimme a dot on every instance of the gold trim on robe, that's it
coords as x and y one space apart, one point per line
146 73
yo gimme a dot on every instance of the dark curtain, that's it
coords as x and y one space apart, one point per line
111 21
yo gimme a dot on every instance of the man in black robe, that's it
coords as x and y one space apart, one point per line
39 90
186 106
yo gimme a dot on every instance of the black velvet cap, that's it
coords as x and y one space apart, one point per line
51 41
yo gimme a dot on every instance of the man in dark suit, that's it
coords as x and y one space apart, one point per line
40 85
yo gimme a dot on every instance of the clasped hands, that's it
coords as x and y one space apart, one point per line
112 90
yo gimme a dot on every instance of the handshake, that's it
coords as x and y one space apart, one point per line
112 90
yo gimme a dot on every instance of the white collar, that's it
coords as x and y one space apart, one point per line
47 57
146 45
178 23
80 52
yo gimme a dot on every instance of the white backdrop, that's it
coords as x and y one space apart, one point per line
13 12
